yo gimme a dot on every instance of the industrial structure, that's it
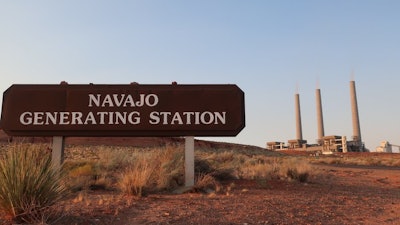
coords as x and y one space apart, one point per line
325 144
387 147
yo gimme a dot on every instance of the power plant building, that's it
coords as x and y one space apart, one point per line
331 143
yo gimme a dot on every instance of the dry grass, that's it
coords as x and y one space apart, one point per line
360 161
137 177
206 183
136 172
153 170
277 168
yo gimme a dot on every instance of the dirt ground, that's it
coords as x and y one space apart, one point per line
340 195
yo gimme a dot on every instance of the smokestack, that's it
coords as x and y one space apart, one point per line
320 120
299 134
354 110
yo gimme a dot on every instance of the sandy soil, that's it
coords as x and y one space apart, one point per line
340 195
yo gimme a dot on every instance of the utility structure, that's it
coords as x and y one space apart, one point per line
298 142
325 144
299 132
387 147
356 145
320 119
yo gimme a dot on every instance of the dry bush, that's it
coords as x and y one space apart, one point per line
154 170
115 158
169 172
224 165
268 168
258 171
205 183
223 160
355 160
87 175
136 177
95 167
394 162
296 169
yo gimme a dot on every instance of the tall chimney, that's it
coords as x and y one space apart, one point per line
299 134
354 111
320 119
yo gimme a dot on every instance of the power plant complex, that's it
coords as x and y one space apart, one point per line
324 144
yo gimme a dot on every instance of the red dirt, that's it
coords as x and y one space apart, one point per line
340 195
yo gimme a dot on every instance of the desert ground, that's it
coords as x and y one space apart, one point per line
337 193
347 195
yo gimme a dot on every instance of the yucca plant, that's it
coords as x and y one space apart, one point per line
29 184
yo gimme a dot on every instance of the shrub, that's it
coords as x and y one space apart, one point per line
153 170
29 183
205 183
169 170
136 177
296 169
275 168
80 175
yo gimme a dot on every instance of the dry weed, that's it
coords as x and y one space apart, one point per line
206 183
137 177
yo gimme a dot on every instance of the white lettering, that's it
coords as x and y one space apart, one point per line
220 117
140 103
120 117
196 116
90 118
155 100
25 118
123 118
122 100
38 118
64 118
76 118
176 118
52 117
102 115
107 101
154 119
188 117
94 99
206 115
134 118
129 100
117 101
110 118
165 116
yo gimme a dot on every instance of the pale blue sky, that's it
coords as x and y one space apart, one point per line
265 47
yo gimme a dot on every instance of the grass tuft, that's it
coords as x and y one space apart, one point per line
155 170
29 184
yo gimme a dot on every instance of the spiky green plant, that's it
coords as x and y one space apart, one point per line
29 184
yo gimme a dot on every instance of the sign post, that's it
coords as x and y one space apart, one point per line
189 161
123 111
57 153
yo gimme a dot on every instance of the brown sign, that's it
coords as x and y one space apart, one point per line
123 110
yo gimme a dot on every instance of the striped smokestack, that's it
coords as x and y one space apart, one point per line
354 111
299 134
320 120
